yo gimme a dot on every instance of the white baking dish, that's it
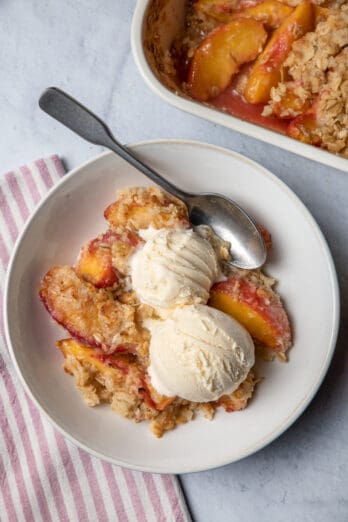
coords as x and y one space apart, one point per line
155 23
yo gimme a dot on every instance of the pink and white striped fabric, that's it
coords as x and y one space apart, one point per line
43 477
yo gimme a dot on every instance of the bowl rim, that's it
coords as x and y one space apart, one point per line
303 403
214 115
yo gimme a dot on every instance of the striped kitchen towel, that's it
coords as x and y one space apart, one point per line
43 477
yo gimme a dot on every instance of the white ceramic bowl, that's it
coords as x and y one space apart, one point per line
165 29
72 213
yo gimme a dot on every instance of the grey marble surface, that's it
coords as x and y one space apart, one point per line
83 46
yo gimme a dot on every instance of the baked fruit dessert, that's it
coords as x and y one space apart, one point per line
281 64
160 326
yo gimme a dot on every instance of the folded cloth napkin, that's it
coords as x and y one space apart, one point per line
42 475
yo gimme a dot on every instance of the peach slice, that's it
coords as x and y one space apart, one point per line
272 13
220 55
103 363
266 72
302 128
110 365
151 396
222 10
101 259
256 307
94 263
84 353
238 400
289 104
89 314
141 208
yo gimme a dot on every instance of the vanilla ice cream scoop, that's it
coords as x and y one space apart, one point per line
174 268
199 354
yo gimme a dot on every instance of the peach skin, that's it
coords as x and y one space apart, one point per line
102 258
220 55
266 72
89 314
150 208
303 127
272 13
257 308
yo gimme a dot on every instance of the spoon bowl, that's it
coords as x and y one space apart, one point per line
228 221
231 223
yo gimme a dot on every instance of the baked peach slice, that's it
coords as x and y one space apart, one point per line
266 72
223 10
221 54
220 10
303 127
272 13
141 208
105 364
90 315
103 257
256 307
289 103
85 354
153 398
94 263
238 400
111 365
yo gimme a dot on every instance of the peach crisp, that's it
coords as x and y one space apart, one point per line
281 64
110 327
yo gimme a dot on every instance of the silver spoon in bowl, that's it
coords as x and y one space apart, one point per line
228 221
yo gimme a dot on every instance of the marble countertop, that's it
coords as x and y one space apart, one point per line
83 46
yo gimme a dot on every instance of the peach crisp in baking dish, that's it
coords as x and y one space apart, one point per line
282 64
160 325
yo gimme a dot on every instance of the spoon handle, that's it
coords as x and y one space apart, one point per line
83 122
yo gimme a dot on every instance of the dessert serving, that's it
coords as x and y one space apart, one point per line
160 325
281 64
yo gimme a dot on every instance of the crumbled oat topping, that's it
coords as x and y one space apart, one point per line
139 208
126 398
318 68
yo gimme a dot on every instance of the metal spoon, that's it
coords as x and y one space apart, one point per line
226 218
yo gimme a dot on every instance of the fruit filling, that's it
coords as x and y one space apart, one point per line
281 64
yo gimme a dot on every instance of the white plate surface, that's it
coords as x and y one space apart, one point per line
73 213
